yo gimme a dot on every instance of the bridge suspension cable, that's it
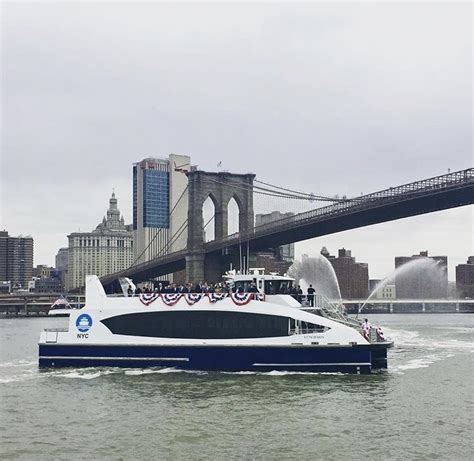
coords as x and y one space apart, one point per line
135 262
288 193
303 195
173 239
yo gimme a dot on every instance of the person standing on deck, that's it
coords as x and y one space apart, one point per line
366 329
310 296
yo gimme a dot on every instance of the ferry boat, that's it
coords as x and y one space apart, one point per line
255 326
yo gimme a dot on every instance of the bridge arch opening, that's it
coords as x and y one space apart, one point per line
233 215
208 210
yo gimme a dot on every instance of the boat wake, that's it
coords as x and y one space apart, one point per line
428 350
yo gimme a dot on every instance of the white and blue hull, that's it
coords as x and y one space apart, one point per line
346 359
265 334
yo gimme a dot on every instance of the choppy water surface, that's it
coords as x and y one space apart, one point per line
422 408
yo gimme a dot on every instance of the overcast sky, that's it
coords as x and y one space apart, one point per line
330 98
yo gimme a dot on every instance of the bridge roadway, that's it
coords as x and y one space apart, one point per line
434 194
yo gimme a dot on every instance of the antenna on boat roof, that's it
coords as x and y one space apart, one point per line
240 255
248 256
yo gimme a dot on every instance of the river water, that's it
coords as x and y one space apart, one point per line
421 408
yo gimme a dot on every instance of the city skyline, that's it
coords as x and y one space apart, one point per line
82 104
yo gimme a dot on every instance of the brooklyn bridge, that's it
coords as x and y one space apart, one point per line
209 260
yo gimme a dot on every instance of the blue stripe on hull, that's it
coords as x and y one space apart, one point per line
222 358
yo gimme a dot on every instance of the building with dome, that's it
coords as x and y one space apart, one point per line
107 249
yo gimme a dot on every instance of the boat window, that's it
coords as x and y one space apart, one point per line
292 325
198 325
275 287
242 285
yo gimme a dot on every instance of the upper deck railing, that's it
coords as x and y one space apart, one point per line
391 195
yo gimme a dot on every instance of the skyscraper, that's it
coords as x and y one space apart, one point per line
107 249
16 259
160 206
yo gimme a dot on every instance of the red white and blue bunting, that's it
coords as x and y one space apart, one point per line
170 299
148 298
242 298
214 297
193 298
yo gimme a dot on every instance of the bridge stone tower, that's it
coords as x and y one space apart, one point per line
221 188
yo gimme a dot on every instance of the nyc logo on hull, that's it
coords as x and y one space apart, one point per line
83 324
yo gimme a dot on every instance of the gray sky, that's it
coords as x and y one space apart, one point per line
330 98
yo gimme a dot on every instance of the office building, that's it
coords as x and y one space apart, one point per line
285 253
61 263
353 277
107 249
423 281
465 279
16 259
160 206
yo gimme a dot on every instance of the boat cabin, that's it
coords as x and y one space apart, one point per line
259 282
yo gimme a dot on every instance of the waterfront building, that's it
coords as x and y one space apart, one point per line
160 206
43 271
422 283
61 263
45 280
270 261
107 249
46 285
285 253
465 279
353 277
386 292
16 259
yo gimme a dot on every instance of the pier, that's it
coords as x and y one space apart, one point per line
410 306
33 304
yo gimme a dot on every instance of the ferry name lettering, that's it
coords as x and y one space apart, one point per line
82 335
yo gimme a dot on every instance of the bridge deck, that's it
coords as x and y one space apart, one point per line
434 194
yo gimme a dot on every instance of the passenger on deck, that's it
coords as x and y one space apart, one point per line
253 288
380 335
294 293
310 296
300 294
130 291
198 288
366 329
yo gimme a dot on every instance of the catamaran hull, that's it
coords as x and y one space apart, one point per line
345 359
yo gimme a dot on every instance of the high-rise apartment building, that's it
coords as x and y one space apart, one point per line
353 277
107 249
160 206
465 279
422 281
16 259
